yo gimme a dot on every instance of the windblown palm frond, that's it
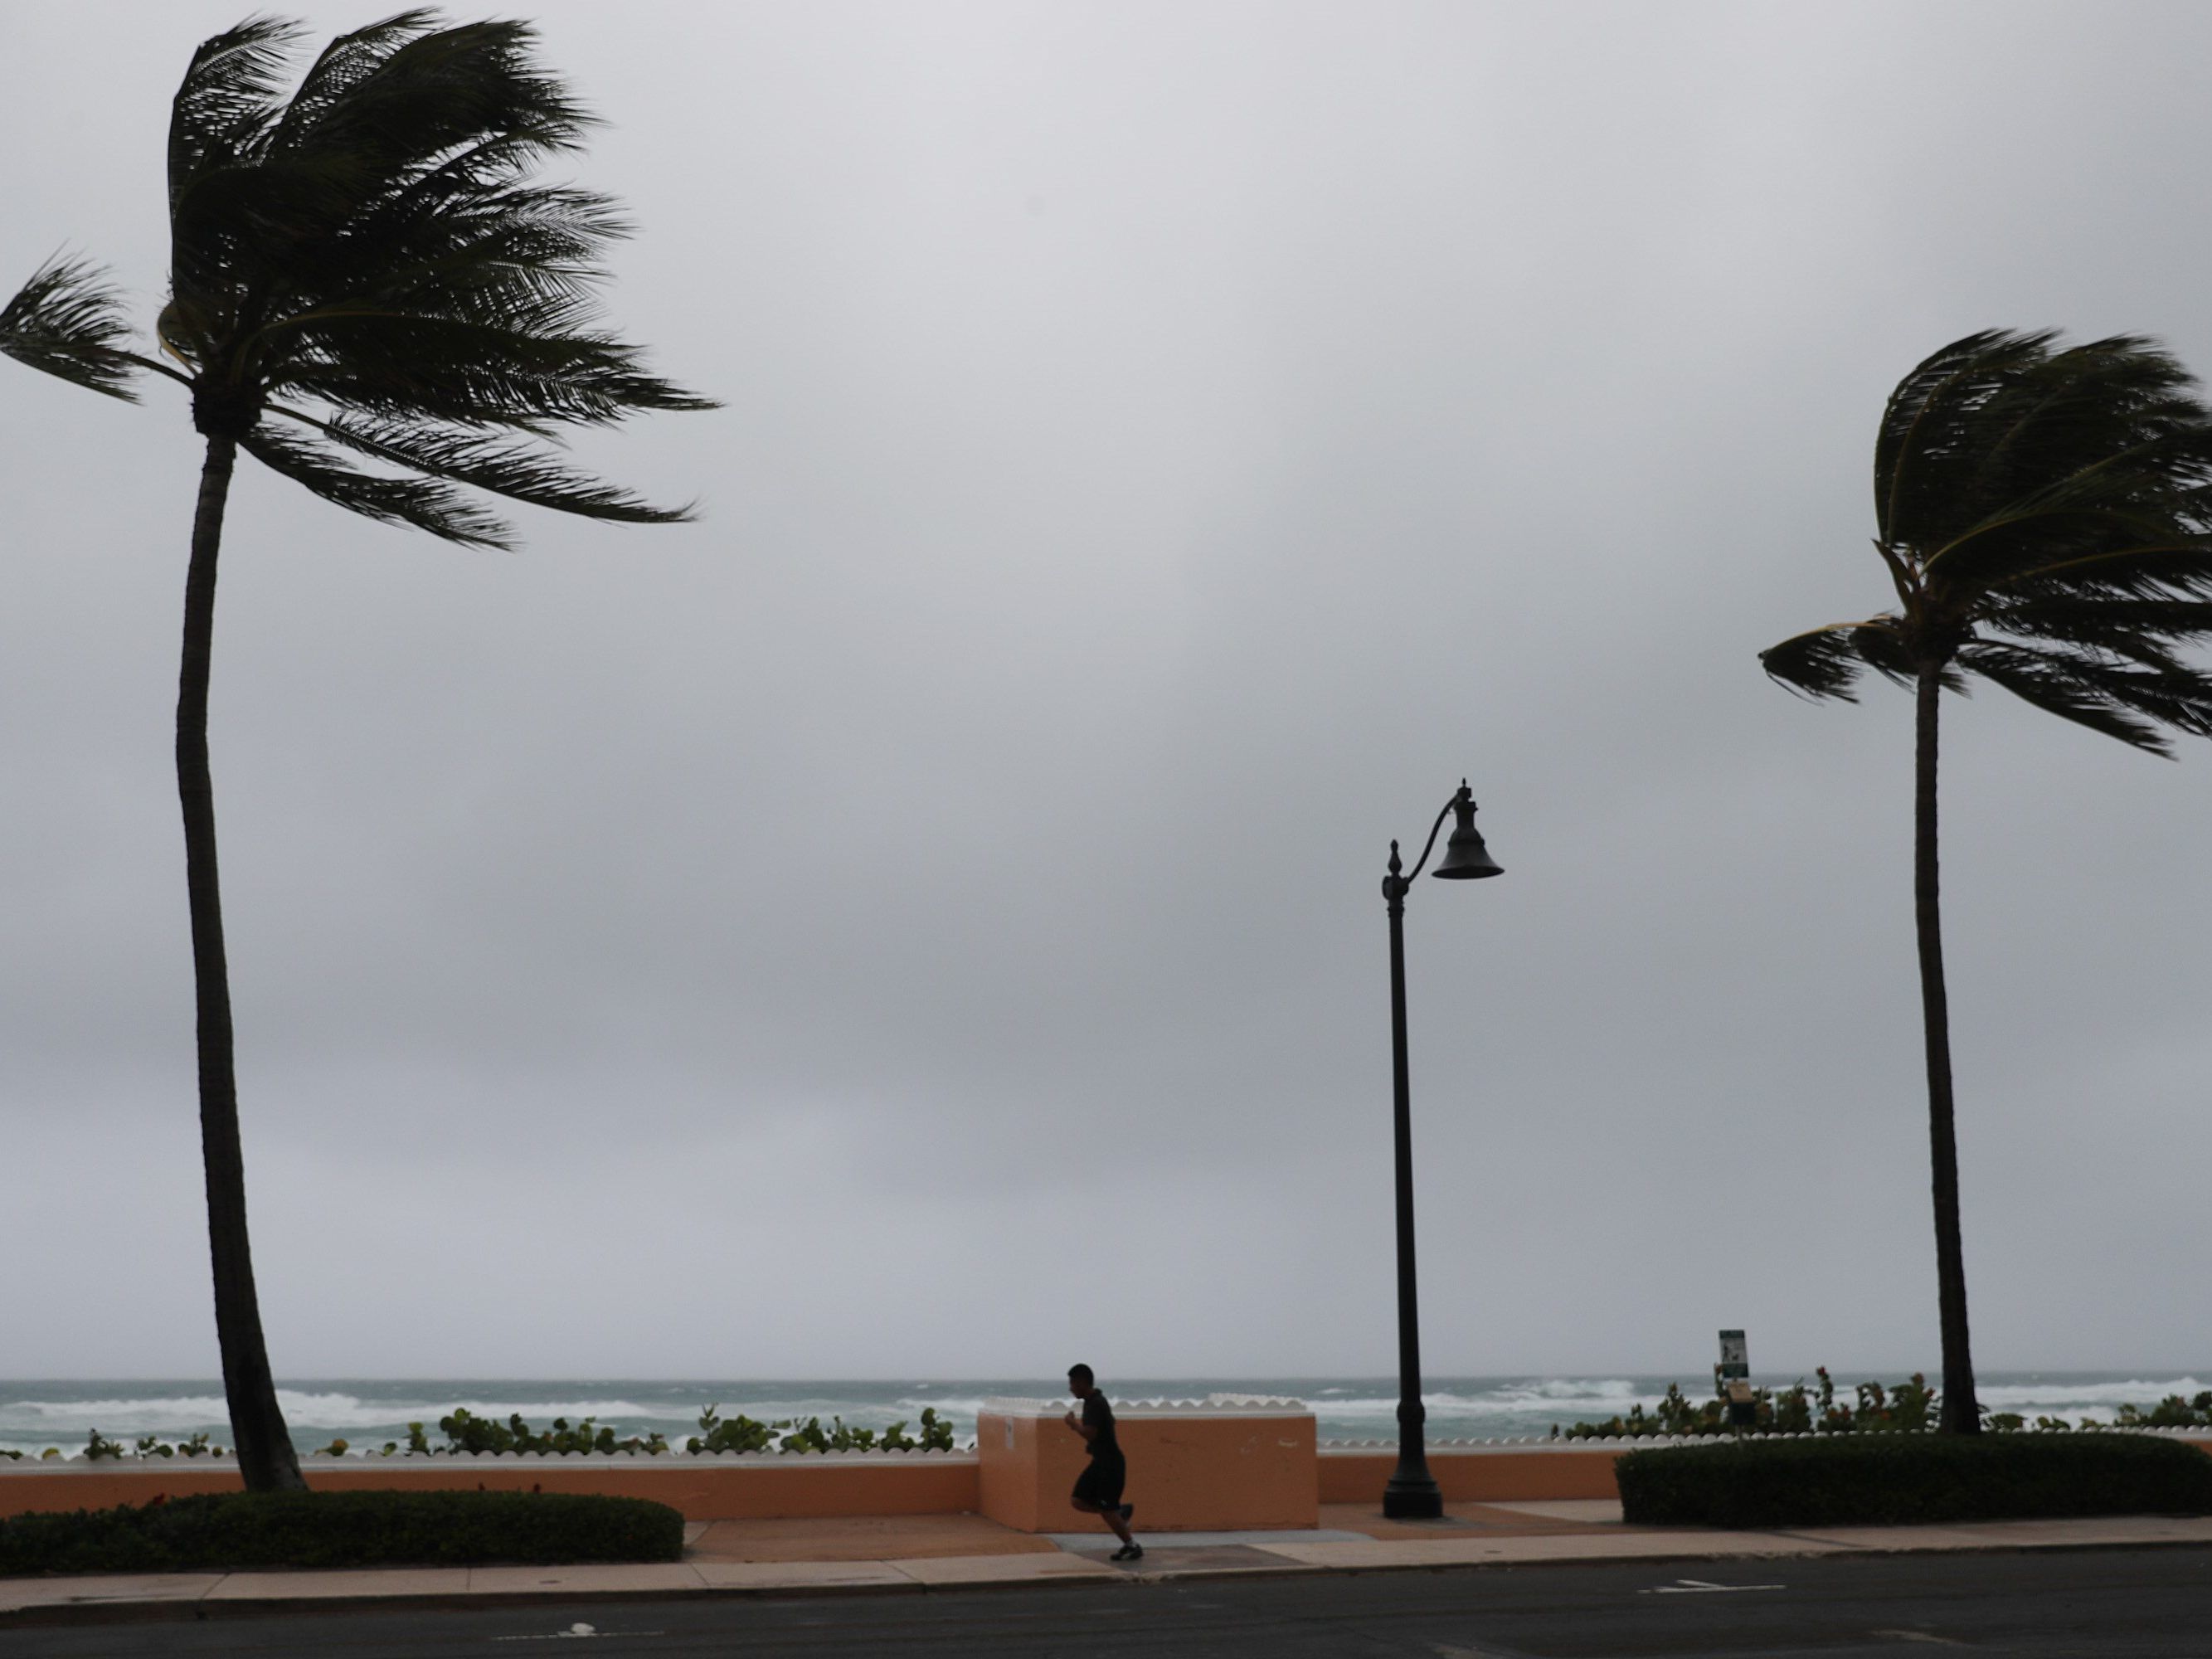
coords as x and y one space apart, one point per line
420 502
519 472
376 254
2046 515
68 321
1826 662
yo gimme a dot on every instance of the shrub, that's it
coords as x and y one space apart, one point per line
465 1431
2171 1413
744 1434
342 1529
1894 1478
1907 1407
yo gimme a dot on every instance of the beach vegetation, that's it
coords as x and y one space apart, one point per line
465 1433
342 1529
1899 1479
2172 1412
371 294
2041 514
1908 1407
743 1434
1912 1406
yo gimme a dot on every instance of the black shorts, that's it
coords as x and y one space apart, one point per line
1102 1482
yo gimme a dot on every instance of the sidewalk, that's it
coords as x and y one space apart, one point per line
910 1554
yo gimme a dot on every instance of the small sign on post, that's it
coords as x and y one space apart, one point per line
1734 1375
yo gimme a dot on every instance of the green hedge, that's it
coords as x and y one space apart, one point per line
342 1529
1889 1479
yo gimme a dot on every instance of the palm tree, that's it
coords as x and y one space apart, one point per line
2043 514
369 268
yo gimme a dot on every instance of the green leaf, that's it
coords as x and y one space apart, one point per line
424 504
68 321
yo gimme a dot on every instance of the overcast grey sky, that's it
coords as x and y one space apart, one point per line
923 919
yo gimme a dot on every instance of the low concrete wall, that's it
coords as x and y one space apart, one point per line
1191 1468
771 1487
1194 1465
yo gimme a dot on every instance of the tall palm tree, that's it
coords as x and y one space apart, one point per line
369 268
2043 514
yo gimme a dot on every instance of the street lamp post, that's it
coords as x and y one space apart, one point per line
1412 1493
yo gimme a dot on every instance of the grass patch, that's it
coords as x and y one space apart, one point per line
223 1531
1903 1479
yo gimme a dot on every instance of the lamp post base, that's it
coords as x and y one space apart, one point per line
1412 1498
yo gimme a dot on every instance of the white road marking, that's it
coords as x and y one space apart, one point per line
1921 1636
1700 1587
576 1631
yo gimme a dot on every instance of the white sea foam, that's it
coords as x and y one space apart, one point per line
2082 1396
951 1405
1609 1396
164 1414
34 1415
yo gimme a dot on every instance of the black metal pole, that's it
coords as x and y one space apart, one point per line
1412 1493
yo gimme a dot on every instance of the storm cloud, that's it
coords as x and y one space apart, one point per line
923 919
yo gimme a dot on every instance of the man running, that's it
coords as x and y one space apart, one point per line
1098 1488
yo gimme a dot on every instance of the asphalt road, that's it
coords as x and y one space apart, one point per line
2115 1604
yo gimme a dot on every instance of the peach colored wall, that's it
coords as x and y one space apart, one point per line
1007 1484
1188 1471
782 1489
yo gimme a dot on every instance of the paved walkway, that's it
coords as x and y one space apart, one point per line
911 1554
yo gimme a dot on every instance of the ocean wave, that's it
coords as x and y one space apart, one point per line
36 1414
2136 1392
953 1406
176 1413
1610 1396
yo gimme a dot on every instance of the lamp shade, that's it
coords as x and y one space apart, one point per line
1465 856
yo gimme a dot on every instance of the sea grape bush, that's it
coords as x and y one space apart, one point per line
2171 1413
1907 1407
743 1434
99 1448
466 1432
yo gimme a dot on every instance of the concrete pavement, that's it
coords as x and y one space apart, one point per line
910 1554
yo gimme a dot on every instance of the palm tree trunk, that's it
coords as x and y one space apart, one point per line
1959 1412
263 1444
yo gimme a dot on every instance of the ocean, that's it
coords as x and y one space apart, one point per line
38 1415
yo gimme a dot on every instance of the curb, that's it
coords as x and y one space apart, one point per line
182 1611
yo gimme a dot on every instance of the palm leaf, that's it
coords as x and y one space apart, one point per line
422 503
519 473
376 252
2126 702
1825 662
1925 452
227 99
68 321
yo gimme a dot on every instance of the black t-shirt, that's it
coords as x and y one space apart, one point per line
1098 1417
